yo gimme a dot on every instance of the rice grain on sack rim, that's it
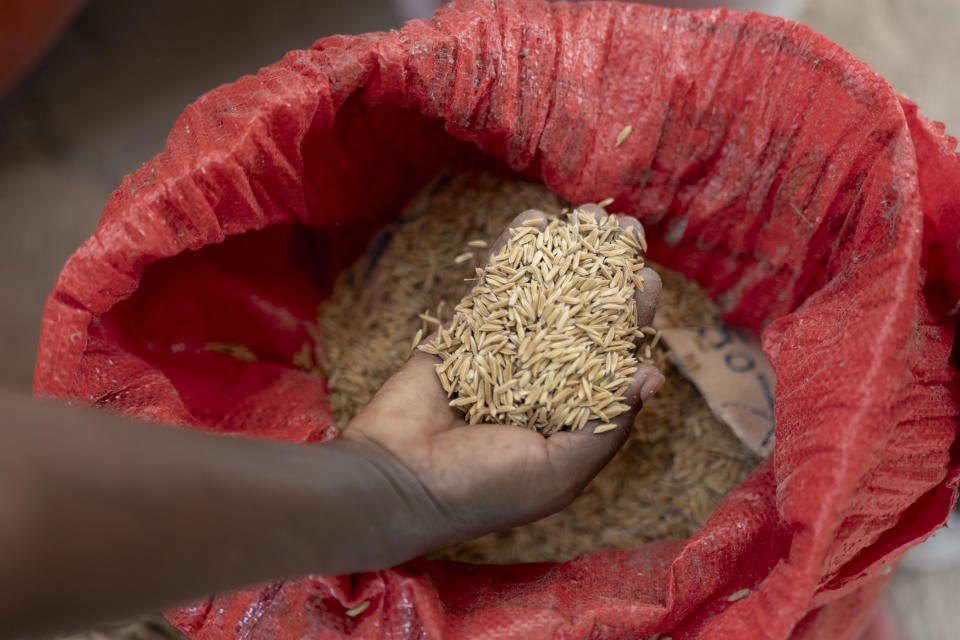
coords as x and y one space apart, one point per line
678 462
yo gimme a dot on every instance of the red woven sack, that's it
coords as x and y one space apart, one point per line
813 203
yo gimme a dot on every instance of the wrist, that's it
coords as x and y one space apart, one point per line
393 517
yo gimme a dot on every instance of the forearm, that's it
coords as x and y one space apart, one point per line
104 517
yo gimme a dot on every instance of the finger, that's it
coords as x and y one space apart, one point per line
649 298
625 221
595 210
646 381
518 221
582 454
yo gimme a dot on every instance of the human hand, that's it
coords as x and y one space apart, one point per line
489 477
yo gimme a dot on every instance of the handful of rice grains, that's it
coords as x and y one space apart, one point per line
547 338
679 460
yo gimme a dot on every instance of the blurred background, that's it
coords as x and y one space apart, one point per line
89 90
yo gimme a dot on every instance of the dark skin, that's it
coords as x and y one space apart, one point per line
103 518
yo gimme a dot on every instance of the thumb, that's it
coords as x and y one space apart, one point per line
577 456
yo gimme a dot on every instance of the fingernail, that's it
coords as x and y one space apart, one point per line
651 385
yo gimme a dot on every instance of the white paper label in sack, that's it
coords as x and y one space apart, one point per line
732 373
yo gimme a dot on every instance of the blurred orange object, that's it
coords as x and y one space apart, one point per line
27 29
